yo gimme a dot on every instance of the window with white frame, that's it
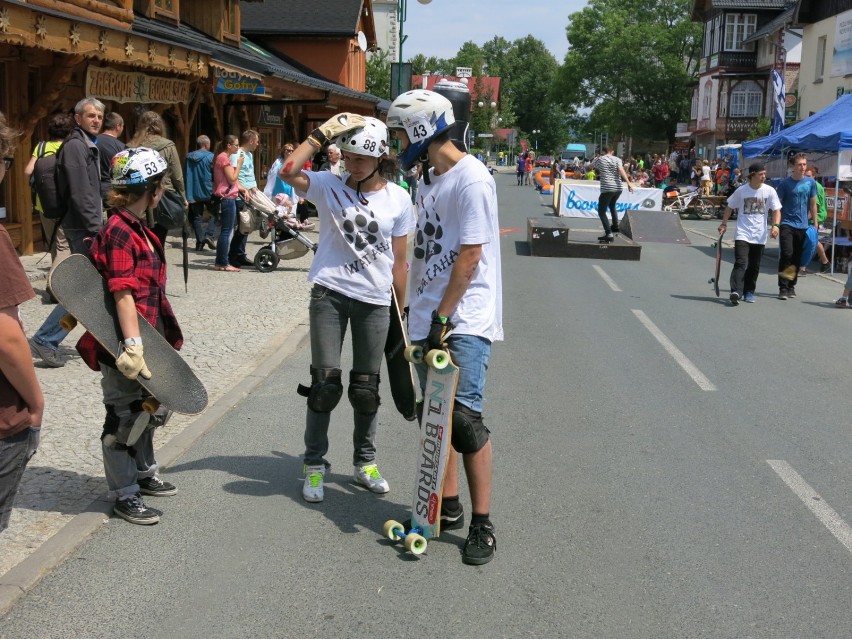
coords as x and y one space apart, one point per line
717 34
705 103
738 27
708 37
723 102
820 58
746 100
693 111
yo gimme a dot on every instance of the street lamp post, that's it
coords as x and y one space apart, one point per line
401 16
535 133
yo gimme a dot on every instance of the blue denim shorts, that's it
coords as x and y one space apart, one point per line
471 354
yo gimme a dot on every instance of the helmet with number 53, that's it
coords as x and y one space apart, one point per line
423 115
371 139
137 169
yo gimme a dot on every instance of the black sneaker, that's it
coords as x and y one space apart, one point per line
480 545
782 293
791 292
606 238
825 268
133 509
735 298
156 487
450 520
614 228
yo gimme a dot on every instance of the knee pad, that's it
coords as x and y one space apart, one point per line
119 422
469 432
364 392
325 390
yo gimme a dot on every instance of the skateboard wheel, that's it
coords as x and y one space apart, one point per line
415 544
413 354
437 359
68 322
265 260
392 529
150 405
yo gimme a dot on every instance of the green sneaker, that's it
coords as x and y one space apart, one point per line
369 476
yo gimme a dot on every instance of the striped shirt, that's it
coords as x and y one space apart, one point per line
607 167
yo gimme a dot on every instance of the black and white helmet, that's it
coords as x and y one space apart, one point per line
371 139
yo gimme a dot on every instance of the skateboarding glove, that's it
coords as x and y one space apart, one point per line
339 124
131 363
438 331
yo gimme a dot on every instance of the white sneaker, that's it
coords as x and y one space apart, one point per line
370 477
312 491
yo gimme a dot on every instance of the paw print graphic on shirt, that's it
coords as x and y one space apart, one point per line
360 231
426 241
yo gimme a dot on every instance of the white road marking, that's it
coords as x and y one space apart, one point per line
606 278
691 369
816 504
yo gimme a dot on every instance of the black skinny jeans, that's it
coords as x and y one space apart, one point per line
790 242
606 201
746 266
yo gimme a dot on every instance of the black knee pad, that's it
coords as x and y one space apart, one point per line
325 390
364 392
469 432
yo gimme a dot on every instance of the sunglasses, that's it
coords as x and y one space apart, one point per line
7 162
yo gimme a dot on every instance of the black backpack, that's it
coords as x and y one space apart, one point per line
45 185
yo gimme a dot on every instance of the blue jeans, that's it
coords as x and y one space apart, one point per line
50 333
15 453
330 314
227 218
471 354
196 218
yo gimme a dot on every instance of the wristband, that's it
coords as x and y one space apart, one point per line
775 226
443 319
133 341
318 137
314 142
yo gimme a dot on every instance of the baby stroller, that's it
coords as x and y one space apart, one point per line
286 242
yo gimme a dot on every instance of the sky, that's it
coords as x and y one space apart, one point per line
441 27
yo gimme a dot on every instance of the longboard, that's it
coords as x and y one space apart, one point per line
82 291
400 373
433 451
715 279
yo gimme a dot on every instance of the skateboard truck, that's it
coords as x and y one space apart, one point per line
415 543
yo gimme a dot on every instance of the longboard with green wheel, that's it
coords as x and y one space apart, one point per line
84 294
715 279
433 450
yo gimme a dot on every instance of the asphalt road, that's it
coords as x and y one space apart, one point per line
666 466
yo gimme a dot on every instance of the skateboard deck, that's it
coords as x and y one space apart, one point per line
433 451
84 294
400 373
715 279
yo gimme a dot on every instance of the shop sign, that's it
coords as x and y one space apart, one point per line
113 85
791 106
271 115
235 83
842 203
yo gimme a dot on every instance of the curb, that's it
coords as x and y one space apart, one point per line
19 580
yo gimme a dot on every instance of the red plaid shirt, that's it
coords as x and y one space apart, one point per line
121 254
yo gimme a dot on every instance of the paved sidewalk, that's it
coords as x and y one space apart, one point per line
231 322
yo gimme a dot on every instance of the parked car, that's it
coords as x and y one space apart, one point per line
544 160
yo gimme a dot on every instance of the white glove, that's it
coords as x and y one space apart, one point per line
341 123
131 363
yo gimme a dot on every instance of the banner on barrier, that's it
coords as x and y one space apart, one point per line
581 200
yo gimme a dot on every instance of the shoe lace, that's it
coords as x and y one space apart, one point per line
372 471
481 536
315 479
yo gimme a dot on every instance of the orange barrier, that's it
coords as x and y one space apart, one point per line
542 180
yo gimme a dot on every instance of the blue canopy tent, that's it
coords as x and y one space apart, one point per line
828 131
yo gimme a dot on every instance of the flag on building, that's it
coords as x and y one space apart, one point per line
779 102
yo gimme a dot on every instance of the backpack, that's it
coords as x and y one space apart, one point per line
45 185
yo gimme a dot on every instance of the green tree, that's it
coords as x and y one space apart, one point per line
528 71
379 75
761 128
436 66
631 62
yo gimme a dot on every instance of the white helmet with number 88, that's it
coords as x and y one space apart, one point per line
371 139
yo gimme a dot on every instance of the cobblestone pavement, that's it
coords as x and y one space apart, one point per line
229 321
